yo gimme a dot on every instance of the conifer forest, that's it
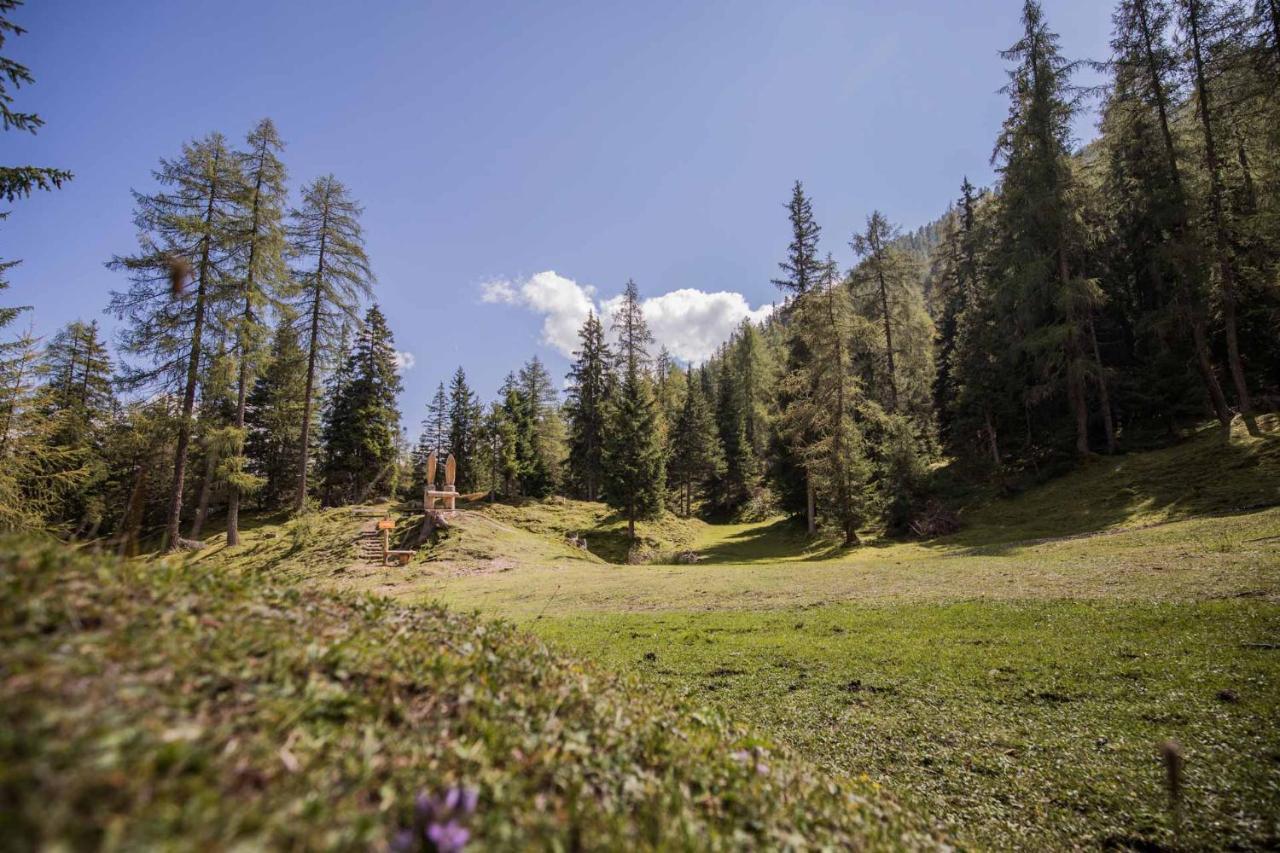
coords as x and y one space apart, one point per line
970 539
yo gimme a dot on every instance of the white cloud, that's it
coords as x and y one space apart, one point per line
404 361
498 290
690 323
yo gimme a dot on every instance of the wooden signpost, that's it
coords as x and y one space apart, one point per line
386 525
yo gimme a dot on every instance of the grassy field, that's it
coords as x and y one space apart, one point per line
1006 687
1011 681
218 704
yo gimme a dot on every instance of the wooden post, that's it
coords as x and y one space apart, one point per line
385 525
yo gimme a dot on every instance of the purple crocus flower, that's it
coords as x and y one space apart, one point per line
449 837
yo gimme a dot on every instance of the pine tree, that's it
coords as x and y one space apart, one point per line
826 402
362 426
216 437
273 417
187 224
263 283
1048 302
325 233
1156 274
634 477
590 391
464 417
738 472
1199 20
803 268
545 439
20 181
885 283
695 456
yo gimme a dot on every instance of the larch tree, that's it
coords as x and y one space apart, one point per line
186 227
263 283
326 239
20 181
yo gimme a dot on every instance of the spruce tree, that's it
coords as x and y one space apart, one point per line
803 268
464 421
188 223
263 282
590 391
362 427
1047 301
826 400
695 456
1200 21
273 417
545 439
325 235
634 481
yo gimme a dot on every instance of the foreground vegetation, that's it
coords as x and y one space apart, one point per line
161 703
1011 681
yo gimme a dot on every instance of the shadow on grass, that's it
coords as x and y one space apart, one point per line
1212 473
785 539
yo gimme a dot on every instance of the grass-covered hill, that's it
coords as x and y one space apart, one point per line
220 704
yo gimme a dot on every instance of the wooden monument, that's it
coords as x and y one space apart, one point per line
447 496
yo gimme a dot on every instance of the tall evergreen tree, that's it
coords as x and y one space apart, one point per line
1156 264
20 181
1047 300
695 456
188 223
274 413
1201 22
362 427
803 267
262 283
634 476
325 234
464 422
590 391
826 402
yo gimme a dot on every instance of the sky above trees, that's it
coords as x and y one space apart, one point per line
519 162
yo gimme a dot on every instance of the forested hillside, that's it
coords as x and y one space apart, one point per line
1082 305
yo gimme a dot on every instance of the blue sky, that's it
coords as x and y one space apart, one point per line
494 143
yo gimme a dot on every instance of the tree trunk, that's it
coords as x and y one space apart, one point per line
300 499
1222 245
1191 310
206 488
133 513
1076 397
888 341
171 530
242 392
1104 398
1209 373
810 504
991 435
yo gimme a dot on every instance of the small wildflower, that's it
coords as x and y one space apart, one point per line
437 823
